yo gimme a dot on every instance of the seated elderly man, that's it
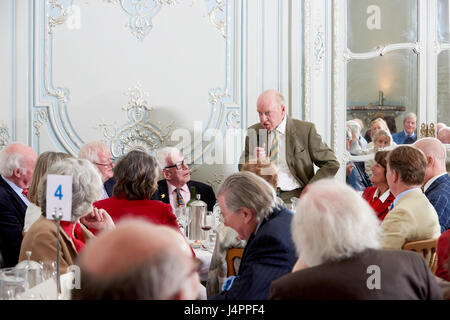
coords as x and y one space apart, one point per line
97 152
248 205
336 233
175 188
412 217
138 261
17 162
444 136
408 135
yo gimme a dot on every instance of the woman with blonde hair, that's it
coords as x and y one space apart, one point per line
44 161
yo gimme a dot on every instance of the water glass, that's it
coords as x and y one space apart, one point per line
13 282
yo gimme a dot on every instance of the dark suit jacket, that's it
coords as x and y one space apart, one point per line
268 255
304 148
109 185
12 218
206 193
438 193
404 275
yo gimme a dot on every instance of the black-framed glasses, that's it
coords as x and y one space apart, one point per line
179 165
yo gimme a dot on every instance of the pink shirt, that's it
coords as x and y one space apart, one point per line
185 193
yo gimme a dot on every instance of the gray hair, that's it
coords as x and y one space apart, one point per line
9 161
164 153
246 189
410 115
355 127
90 150
86 185
159 278
332 222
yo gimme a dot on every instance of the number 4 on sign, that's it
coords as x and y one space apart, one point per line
58 192
59 195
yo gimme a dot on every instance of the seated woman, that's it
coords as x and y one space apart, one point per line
136 177
86 188
45 160
379 197
381 140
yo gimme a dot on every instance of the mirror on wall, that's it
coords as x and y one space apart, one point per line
443 64
383 84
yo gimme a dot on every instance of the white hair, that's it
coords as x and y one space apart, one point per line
409 115
90 150
332 222
355 127
165 153
10 161
86 185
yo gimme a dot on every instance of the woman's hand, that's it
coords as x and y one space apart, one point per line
98 219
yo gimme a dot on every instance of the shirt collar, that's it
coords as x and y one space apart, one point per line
171 187
383 197
406 134
282 126
428 184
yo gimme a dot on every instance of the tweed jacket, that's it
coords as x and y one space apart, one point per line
41 241
412 218
304 149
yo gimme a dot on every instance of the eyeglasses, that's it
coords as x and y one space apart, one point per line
178 165
106 165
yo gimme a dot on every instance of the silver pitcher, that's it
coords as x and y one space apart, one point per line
196 209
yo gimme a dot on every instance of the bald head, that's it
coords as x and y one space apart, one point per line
132 243
17 163
271 109
444 135
435 152
138 261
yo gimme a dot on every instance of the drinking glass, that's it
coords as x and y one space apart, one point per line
12 283
207 222
48 270
183 218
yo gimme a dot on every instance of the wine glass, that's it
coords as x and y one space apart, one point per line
207 222
183 218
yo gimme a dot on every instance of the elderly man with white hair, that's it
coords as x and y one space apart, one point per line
17 163
175 188
336 233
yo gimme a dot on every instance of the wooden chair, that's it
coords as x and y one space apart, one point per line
232 254
427 248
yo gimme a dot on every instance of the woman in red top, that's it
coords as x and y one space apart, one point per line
379 197
136 180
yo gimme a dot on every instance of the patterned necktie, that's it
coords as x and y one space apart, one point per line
25 192
180 201
274 149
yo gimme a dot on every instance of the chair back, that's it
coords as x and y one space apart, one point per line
232 254
425 247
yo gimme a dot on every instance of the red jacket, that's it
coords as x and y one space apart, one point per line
443 249
380 208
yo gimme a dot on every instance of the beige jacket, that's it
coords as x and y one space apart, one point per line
412 218
41 241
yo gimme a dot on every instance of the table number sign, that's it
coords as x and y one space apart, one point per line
59 196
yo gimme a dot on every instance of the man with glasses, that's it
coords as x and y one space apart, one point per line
139 261
174 189
97 152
